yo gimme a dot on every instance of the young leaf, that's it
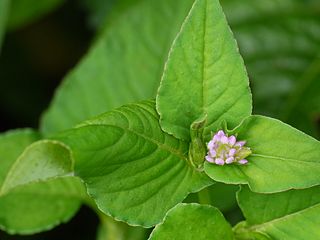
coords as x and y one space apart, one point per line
282 158
130 166
193 221
40 161
288 215
204 75
38 205
123 66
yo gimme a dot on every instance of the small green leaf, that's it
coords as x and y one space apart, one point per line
123 66
288 215
12 144
29 205
282 158
40 161
130 166
204 75
193 221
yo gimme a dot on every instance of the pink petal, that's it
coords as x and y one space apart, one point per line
209 159
243 161
232 140
229 160
219 161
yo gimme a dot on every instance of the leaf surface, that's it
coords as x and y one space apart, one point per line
124 65
40 161
282 158
204 75
130 166
193 221
28 205
288 215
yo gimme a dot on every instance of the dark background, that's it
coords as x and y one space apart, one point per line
33 61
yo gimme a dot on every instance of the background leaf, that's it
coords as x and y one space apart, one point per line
124 65
40 206
193 221
36 206
204 75
219 195
23 12
303 106
282 158
110 229
40 161
148 168
288 215
279 41
4 10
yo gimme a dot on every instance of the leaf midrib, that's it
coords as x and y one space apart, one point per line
283 159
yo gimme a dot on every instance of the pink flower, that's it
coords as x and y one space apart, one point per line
223 149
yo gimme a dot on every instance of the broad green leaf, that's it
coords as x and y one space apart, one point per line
288 215
4 10
38 205
131 168
40 161
193 221
23 12
124 65
282 158
204 75
219 195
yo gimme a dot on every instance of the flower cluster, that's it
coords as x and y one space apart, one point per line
227 150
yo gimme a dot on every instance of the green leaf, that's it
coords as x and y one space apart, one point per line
288 215
23 12
130 166
282 158
40 206
40 161
204 75
124 65
219 195
4 10
28 205
12 144
193 221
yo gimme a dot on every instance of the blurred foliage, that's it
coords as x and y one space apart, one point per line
23 12
279 40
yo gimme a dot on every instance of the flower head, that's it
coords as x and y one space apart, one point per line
223 149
